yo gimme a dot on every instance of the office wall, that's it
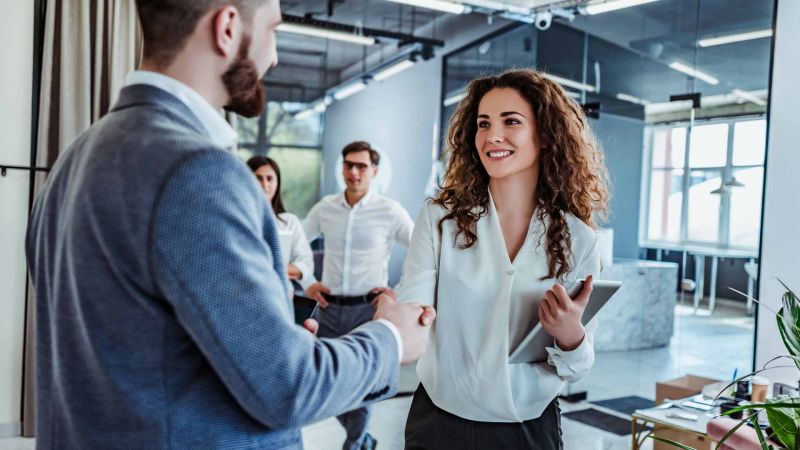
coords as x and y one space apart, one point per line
399 116
621 139
780 242
16 33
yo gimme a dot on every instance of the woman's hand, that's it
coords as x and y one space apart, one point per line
561 315
293 272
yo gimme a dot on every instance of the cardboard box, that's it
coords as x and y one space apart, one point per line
682 387
692 440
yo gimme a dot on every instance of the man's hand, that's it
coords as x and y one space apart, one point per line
412 321
315 291
293 272
311 325
383 291
560 315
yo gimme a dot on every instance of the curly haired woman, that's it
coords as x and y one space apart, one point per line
513 224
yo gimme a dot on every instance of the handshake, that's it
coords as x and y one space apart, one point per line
412 320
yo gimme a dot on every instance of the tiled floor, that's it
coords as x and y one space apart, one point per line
709 346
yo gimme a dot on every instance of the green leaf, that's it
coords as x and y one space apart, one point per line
784 420
761 439
789 326
672 443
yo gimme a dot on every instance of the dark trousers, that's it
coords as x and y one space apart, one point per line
430 428
334 321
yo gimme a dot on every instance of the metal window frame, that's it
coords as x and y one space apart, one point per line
723 241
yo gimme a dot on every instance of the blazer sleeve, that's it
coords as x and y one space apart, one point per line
212 264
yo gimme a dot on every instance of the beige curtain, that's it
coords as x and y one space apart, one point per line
89 47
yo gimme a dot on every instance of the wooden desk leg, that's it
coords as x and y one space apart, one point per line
634 434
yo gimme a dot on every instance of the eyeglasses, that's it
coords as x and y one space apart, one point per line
361 167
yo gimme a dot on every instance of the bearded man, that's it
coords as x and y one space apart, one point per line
162 317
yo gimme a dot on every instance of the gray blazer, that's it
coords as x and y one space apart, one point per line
161 317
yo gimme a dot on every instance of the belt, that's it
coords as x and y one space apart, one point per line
348 300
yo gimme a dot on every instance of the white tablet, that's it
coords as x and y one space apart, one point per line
532 348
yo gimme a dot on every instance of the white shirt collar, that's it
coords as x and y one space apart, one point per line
218 129
364 200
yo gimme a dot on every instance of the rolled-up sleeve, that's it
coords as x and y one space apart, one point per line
574 364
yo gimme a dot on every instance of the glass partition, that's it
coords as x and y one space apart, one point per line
682 97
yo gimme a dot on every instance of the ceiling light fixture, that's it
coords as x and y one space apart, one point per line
304 114
611 5
731 38
692 72
749 96
393 69
349 90
453 99
325 34
438 5
569 83
632 99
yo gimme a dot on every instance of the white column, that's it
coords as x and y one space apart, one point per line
780 241
16 33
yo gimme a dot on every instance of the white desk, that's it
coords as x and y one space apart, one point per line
700 254
658 418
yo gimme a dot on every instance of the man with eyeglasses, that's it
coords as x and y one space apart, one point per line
359 227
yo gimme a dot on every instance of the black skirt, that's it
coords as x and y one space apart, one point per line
430 428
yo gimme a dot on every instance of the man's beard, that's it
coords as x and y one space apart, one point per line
244 86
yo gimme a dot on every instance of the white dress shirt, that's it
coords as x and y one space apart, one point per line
295 248
358 240
219 130
486 306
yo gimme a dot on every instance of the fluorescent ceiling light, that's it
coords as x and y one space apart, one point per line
749 96
632 99
730 38
453 99
320 107
438 5
349 90
304 114
393 69
692 72
325 33
613 5
569 83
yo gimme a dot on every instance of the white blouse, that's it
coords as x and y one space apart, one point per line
295 248
486 306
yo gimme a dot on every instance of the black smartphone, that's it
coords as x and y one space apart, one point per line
304 308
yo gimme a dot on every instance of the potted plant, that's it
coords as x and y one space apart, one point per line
783 412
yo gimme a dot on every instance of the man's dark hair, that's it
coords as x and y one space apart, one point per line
167 24
362 146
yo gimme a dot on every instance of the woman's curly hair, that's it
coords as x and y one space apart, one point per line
572 174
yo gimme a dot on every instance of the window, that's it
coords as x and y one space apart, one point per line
718 173
295 144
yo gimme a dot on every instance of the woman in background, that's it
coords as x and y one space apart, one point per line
512 225
294 245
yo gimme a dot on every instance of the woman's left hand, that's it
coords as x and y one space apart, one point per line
293 272
561 315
